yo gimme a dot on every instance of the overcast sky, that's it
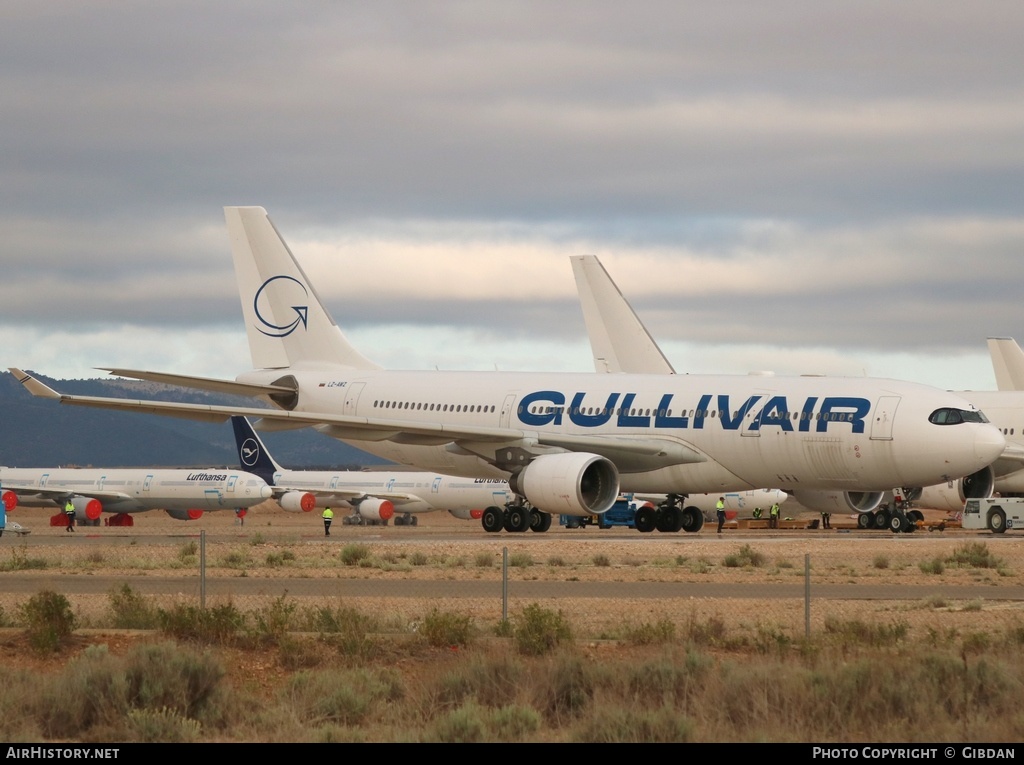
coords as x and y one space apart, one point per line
802 187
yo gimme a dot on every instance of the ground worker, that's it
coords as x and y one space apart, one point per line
757 513
773 516
826 520
720 509
69 513
328 517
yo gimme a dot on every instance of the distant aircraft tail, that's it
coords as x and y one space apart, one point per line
286 322
618 339
253 456
1007 362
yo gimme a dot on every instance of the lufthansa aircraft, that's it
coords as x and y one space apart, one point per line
184 494
371 495
569 443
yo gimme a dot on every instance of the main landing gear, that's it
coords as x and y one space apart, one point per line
669 516
515 517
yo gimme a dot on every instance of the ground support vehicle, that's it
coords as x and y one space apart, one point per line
667 516
997 514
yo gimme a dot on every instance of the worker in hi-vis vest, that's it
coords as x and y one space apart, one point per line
328 517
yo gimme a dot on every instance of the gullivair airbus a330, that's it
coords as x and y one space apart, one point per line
569 443
184 494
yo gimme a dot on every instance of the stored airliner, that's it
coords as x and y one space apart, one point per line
620 342
373 495
184 494
569 443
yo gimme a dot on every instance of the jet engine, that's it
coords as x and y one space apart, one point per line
467 515
297 501
945 497
839 501
10 500
87 508
374 509
192 514
573 483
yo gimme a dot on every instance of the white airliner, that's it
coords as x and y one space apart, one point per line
372 495
184 494
621 343
569 443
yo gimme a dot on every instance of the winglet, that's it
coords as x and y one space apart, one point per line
35 387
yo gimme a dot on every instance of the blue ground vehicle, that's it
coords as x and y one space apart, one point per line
642 516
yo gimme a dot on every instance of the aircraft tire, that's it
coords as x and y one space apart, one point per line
898 523
864 520
517 519
646 519
881 520
539 521
493 520
692 520
665 519
996 520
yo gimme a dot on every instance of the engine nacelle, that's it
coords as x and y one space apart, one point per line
10 499
297 501
467 515
951 498
840 501
574 483
374 509
87 508
192 514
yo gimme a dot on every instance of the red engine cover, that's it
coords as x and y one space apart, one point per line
10 500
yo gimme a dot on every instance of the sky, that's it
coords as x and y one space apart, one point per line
801 187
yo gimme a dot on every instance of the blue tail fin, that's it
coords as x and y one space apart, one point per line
252 454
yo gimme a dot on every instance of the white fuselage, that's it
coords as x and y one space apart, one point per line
788 432
128 490
425 492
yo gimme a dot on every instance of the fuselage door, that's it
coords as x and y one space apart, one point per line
147 484
885 412
352 398
232 480
506 410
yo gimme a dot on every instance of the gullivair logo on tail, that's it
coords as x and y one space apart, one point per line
301 311
549 407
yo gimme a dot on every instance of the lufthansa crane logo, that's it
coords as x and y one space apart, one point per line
249 452
281 290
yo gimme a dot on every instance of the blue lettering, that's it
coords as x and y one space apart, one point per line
733 422
591 420
775 412
544 417
837 408
807 414
626 420
662 418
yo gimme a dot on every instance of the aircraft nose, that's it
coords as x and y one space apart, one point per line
989 443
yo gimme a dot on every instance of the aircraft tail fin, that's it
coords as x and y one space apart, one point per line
285 320
1007 362
253 456
618 339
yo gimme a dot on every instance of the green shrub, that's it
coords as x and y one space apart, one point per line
21 562
601 560
354 554
520 560
160 726
219 624
444 628
483 560
49 620
131 611
538 630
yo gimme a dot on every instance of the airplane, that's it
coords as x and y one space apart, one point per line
372 495
184 494
569 443
621 343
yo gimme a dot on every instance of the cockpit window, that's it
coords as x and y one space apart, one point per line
955 416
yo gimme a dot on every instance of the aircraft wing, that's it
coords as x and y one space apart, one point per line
44 493
479 440
202 383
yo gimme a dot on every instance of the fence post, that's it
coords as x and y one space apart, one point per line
807 596
504 584
202 569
